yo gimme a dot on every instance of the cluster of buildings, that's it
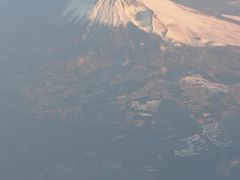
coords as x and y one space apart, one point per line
211 131
198 81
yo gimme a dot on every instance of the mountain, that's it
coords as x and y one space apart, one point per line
134 58
120 89
172 22
130 57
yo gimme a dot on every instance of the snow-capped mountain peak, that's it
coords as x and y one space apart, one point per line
170 21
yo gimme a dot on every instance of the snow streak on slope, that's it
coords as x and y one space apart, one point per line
171 21
76 9
235 18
